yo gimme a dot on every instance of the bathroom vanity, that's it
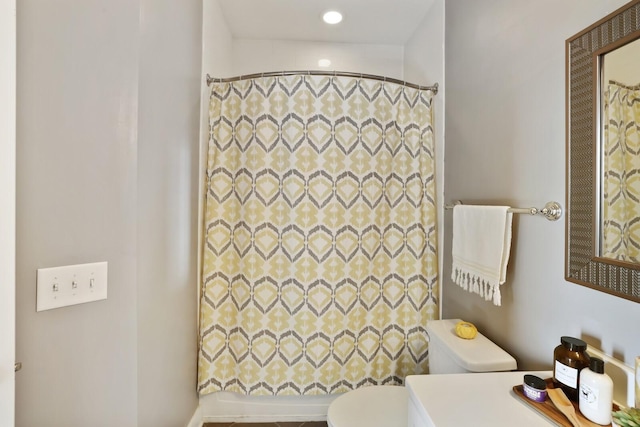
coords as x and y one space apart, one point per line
483 399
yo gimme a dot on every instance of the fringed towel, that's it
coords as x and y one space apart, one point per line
481 246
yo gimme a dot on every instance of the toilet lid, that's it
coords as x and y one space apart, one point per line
374 406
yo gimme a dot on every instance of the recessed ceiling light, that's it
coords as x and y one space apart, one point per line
324 63
332 17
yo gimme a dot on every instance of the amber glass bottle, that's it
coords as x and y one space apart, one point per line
570 357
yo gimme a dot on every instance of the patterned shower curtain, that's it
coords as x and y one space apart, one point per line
621 202
320 265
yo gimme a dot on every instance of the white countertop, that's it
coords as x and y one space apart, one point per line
483 399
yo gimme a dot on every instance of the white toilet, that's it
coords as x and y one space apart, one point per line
387 406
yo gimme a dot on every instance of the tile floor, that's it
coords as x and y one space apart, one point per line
280 424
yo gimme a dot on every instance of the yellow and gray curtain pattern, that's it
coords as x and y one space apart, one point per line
621 201
320 265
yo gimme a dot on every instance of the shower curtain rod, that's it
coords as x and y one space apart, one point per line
433 88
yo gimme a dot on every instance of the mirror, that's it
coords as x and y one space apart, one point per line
586 54
620 154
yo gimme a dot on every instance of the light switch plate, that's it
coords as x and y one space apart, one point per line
72 284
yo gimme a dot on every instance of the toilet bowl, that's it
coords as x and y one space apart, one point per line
387 406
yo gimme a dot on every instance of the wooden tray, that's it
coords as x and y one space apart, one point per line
548 409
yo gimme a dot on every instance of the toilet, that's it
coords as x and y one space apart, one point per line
387 406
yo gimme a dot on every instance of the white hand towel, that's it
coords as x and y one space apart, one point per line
481 247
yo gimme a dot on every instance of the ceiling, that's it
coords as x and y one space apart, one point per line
365 21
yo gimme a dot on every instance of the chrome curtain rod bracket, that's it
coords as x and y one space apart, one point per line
433 88
552 210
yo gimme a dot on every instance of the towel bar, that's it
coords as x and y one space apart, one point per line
552 210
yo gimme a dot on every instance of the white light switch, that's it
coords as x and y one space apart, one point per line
70 285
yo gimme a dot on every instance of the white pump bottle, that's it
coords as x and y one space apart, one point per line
596 393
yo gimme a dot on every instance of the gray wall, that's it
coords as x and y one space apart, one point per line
76 202
168 149
505 143
96 185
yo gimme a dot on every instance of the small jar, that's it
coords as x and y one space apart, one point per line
570 357
535 388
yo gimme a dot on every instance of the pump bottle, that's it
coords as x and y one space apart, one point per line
596 393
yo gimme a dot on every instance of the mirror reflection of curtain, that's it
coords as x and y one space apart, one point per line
621 186
320 265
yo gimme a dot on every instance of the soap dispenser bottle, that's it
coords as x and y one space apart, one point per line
596 393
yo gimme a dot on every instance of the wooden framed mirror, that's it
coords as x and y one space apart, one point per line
586 262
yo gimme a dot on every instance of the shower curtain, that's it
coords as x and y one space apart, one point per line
319 265
621 200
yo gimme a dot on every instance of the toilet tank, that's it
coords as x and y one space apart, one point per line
450 354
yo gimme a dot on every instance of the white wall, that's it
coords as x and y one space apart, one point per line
107 161
7 209
505 127
217 59
424 52
225 56
256 56
424 65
